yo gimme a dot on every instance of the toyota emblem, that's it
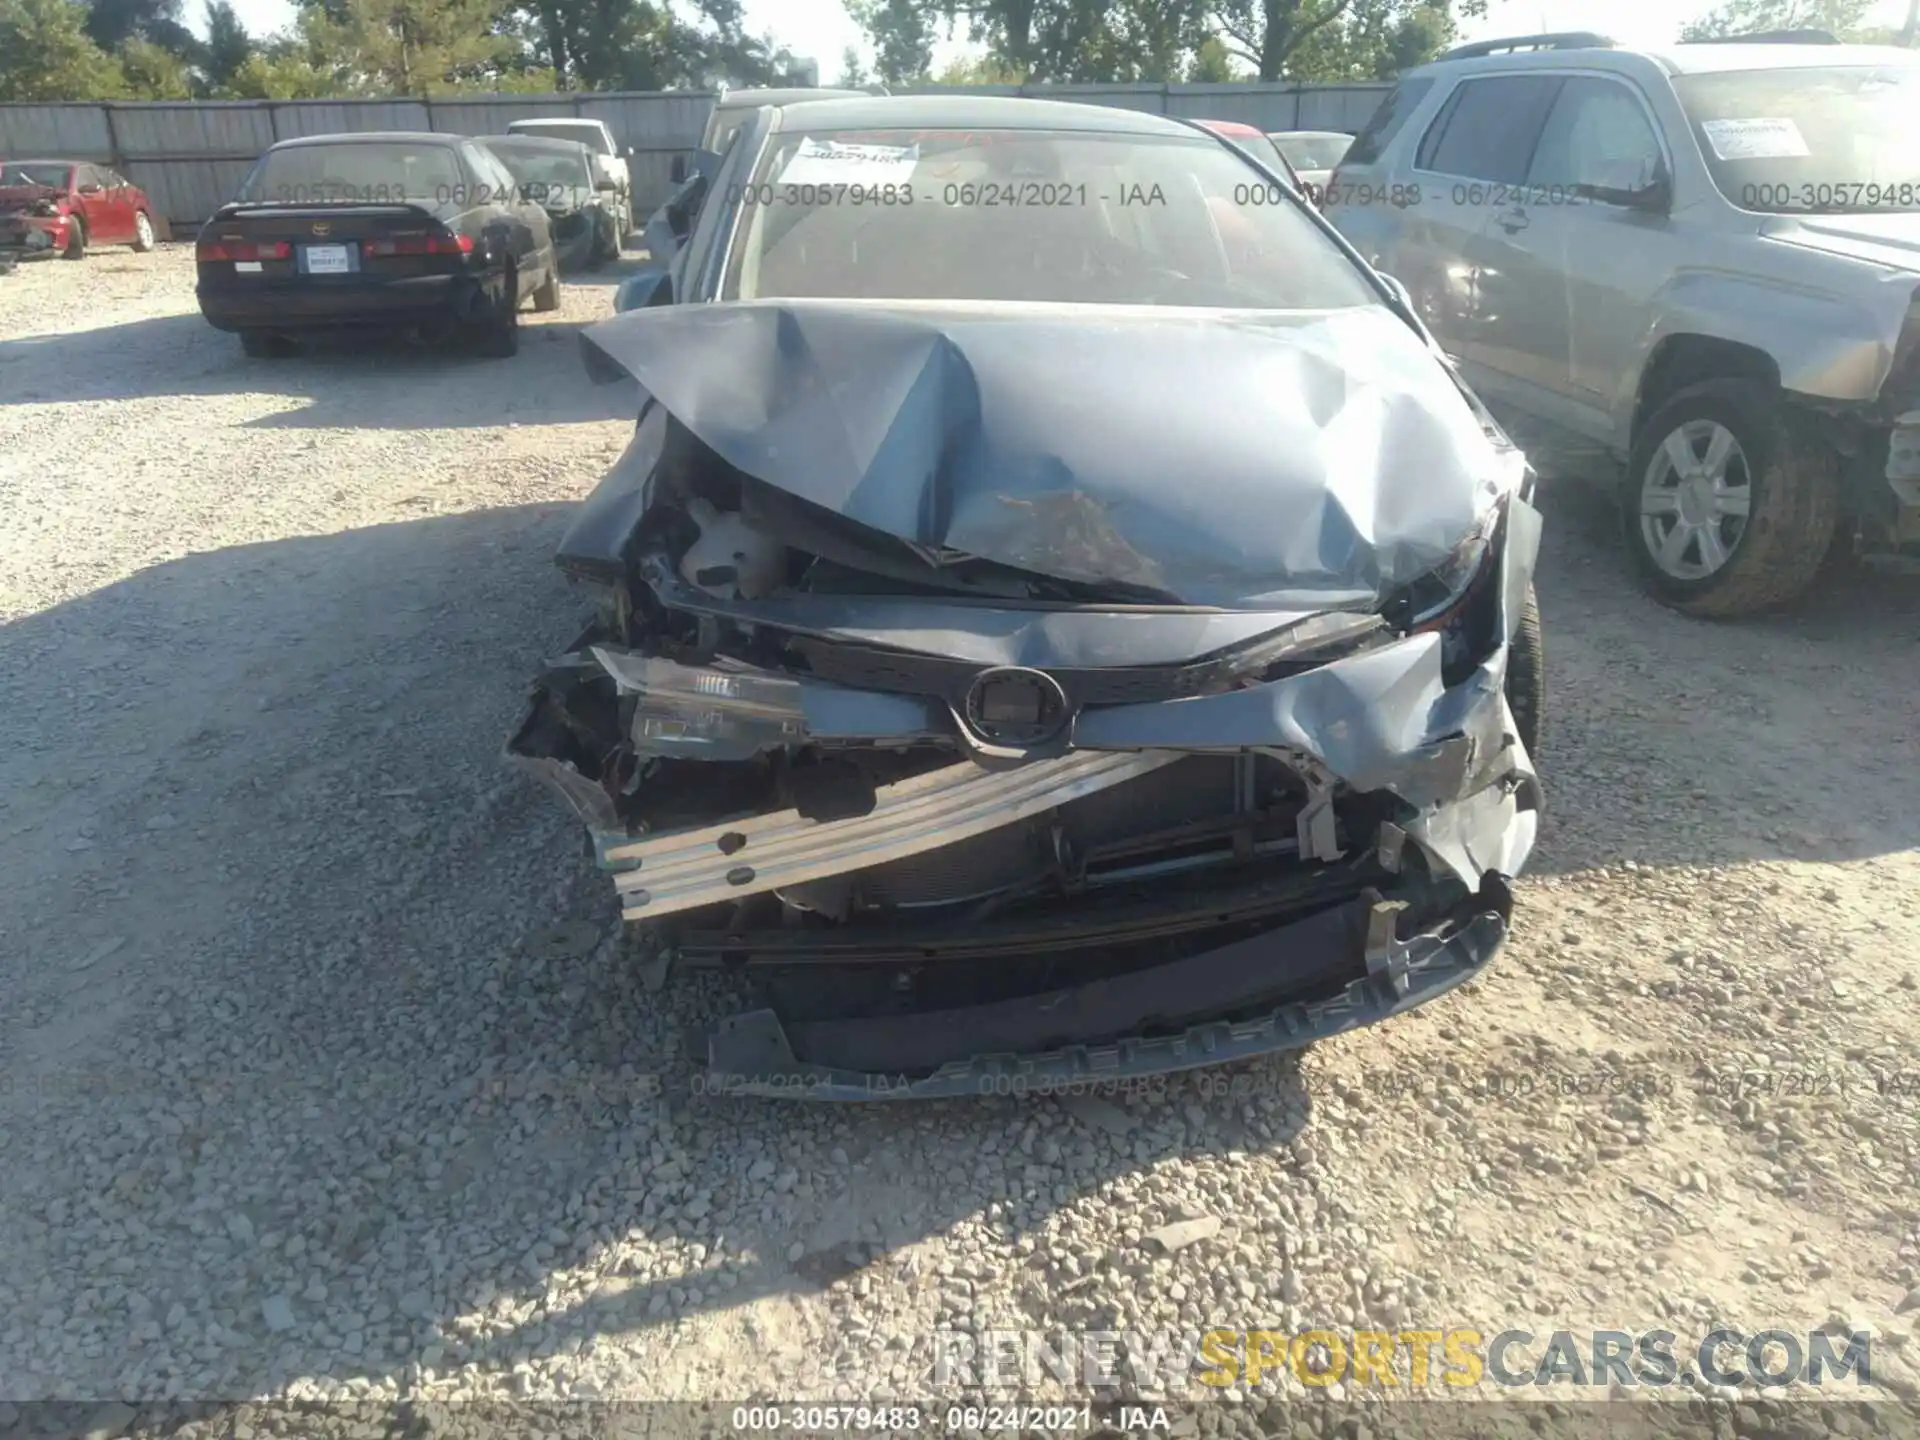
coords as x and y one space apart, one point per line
1016 707
321 227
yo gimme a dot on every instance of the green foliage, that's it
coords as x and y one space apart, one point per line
1126 40
227 45
153 73
902 35
1211 63
46 54
1843 18
853 73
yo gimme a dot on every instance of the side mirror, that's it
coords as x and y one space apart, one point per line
644 289
677 172
1654 198
604 183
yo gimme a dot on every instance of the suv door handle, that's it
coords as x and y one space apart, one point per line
1514 221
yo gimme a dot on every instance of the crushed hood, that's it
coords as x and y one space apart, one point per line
1224 458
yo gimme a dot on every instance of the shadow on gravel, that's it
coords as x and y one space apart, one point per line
303 1083
299 1081
1676 741
375 382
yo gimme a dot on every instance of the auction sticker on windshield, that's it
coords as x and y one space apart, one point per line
1756 139
829 162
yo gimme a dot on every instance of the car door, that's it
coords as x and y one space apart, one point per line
1580 272
124 204
96 205
1478 146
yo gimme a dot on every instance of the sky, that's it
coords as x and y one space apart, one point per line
822 29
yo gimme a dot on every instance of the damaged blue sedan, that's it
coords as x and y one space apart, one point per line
1060 617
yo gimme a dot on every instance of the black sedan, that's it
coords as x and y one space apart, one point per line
422 233
558 175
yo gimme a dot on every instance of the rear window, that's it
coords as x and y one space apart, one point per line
1394 112
1487 131
591 136
357 171
54 176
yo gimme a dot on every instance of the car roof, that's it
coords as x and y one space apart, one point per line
791 95
44 160
972 112
533 142
556 120
372 137
1310 135
1689 59
1237 128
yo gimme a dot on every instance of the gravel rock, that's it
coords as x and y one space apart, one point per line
293 606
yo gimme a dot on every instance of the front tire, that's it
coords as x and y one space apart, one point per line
143 239
76 239
547 298
1729 502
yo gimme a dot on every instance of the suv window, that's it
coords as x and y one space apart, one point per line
1597 134
1487 130
1387 121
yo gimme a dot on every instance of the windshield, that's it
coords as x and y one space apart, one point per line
1313 152
366 171
1030 215
1834 140
722 126
52 176
590 136
543 169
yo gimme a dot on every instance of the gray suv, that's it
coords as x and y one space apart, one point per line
1701 262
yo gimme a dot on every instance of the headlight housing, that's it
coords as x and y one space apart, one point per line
1435 595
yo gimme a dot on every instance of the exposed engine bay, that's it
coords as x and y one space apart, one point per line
955 814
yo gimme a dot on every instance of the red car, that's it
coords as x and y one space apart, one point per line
59 207
1257 144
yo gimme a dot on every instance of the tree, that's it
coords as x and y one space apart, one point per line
1335 39
46 54
154 73
853 72
1744 17
418 47
1211 64
978 70
902 35
227 45
1372 40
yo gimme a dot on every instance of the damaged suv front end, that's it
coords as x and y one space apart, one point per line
1028 694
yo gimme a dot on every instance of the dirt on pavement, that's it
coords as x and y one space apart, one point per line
307 1095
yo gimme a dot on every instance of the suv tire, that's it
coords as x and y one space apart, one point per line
1769 461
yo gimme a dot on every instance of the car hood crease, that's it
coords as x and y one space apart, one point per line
1304 459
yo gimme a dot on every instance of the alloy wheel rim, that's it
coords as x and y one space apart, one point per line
144 228
1695 499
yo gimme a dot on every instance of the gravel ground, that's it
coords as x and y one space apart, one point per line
327 1074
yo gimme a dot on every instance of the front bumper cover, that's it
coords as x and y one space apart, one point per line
980 1048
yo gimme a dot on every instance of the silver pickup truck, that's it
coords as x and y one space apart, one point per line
1702 263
